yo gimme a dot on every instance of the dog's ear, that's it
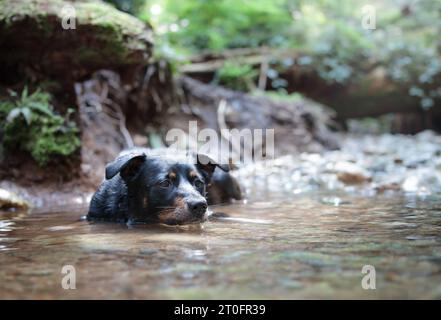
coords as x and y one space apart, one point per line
126 165
207 165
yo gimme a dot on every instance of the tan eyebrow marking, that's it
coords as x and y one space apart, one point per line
172 175
193 174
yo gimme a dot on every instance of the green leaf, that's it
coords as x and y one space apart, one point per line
27 114
12 93
40 107
24 93
13 114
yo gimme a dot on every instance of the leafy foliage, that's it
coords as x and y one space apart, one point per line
130 6
236 75
405 43
46 134
231 23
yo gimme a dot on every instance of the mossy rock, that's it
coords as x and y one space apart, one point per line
32 37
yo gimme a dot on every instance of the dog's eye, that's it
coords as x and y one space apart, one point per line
165 184
199 184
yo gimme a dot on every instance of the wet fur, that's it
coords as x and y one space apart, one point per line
131 194
223 188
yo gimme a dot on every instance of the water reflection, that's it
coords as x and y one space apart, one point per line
309 246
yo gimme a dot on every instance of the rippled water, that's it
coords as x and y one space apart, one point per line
306 246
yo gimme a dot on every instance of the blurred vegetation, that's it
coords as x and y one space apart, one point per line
370 125
405 42
47 134
129 6
237 75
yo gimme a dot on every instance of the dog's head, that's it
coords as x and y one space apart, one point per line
163 188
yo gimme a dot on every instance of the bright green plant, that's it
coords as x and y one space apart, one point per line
220 24
29 122
236 76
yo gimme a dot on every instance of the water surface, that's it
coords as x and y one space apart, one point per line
311 245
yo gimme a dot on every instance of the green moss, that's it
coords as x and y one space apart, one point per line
282 96
87 12
47 134
119 31
100 14
114 35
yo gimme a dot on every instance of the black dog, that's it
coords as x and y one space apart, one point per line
150 186
222 188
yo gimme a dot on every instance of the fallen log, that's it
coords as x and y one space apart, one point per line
299 125
369 93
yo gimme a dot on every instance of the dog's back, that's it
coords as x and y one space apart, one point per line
110 201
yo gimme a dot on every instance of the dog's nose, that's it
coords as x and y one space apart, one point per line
197 207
